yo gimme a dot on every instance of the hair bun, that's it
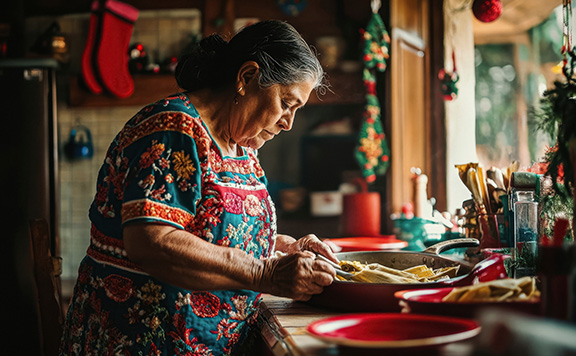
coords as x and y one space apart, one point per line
203 64
213 44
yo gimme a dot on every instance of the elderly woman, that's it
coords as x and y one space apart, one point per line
183 237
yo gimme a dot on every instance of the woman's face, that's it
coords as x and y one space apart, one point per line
264 112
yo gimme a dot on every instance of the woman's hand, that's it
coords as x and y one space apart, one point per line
298 275
187 261
309 242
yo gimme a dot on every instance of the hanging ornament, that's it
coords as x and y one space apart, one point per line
448 81
487 10
372 152
566 34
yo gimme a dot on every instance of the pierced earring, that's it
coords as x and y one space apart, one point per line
235 101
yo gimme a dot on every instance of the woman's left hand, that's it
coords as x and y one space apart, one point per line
311 243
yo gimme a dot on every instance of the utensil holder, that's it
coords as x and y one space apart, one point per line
493 231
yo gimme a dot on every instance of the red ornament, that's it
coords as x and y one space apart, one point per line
487 10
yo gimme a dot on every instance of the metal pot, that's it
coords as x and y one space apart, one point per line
379 297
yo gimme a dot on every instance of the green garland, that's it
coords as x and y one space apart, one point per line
557 117
372 152
553 206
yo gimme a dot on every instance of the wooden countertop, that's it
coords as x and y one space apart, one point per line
283 325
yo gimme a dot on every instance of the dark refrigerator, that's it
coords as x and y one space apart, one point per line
29 188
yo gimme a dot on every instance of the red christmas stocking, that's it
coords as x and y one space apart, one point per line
105 62
88 74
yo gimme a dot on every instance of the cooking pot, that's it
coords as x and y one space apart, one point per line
351 296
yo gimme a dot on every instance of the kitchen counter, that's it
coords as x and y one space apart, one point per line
283 322
283 325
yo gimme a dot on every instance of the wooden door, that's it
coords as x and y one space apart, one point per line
416 127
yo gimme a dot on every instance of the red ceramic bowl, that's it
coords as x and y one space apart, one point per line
429 301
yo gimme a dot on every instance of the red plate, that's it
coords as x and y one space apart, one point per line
429 301
392 330
386 242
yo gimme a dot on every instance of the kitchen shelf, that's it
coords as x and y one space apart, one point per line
345 88
147 89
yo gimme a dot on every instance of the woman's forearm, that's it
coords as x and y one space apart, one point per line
187 261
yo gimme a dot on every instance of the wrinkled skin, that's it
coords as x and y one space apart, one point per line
187 261
298 274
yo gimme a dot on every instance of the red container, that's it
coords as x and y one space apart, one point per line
360 213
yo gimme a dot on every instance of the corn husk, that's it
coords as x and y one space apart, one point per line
501 290
377 273
377 276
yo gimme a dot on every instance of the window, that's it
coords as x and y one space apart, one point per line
510 79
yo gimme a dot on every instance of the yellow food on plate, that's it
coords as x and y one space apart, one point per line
500 290
377 273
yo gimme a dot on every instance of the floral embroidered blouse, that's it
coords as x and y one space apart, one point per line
165 167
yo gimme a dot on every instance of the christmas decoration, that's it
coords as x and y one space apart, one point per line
557 116
105 58
372 151
88 73
448 81
487 10
139 61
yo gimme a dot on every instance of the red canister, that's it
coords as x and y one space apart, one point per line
360 213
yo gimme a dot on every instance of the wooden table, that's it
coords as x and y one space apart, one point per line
283 325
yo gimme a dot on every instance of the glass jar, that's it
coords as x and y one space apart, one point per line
525 245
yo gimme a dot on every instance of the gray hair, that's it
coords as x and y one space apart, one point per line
280 51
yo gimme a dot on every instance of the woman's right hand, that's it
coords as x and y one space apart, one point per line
297 276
